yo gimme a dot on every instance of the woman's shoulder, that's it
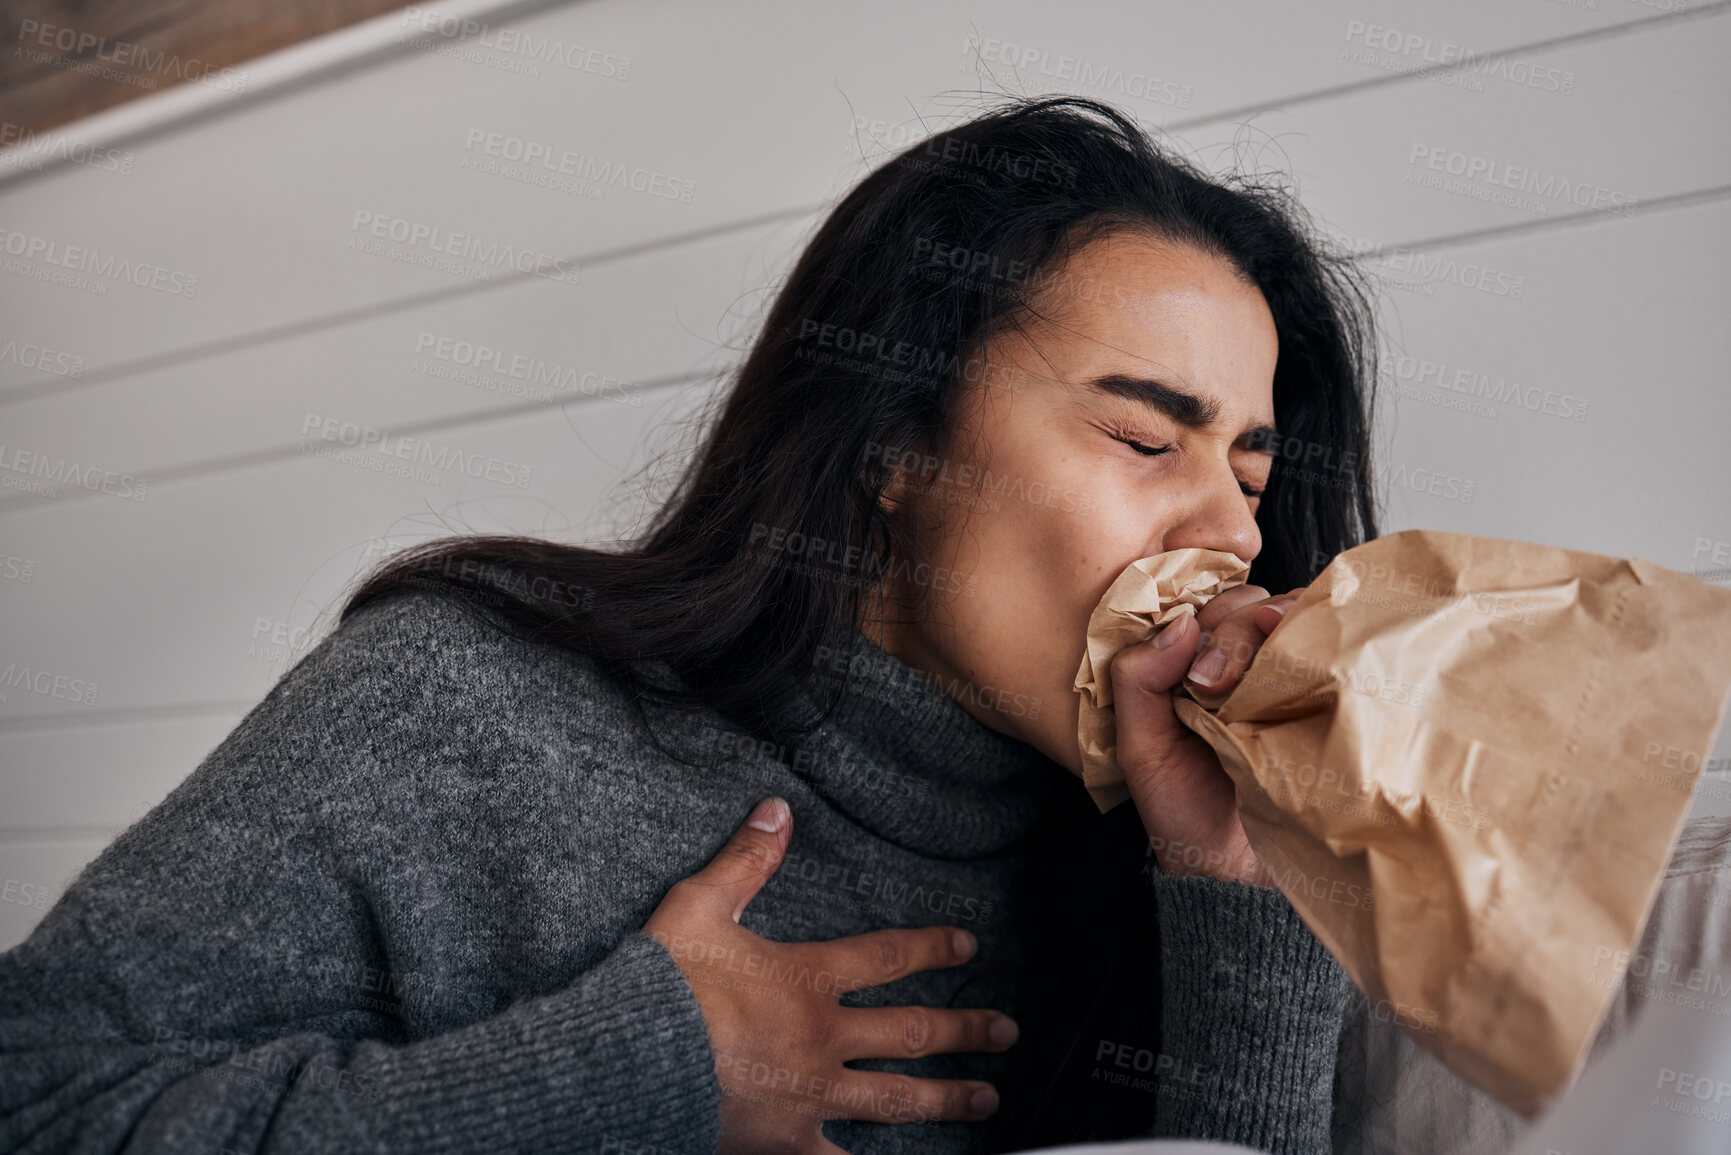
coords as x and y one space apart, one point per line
415 720
413 758
431 648
417 676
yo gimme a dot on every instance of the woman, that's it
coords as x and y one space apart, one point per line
474 875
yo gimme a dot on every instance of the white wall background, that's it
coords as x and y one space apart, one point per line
184 602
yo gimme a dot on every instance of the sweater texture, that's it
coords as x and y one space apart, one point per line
399 909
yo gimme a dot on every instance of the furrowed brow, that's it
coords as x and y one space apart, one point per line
1183 407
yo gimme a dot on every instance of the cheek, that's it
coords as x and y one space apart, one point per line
1036 572
1055 523
1031 556
1056 519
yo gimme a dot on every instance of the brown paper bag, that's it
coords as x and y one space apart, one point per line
1465 760
1149 594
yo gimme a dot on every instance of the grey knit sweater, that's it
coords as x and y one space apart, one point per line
399 909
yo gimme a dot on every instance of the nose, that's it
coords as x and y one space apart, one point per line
1217 516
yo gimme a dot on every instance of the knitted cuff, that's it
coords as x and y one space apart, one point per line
620 1060
1251 1012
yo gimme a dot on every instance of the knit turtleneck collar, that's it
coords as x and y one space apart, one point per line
901 757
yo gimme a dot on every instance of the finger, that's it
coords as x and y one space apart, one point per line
1221 605
740 868
1270 614
913 1032
1228 651
1156 665
888 1098
883 956
1142 676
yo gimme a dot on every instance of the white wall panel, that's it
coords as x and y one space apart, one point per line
159 601
261 207
104 777
669 314
1638 470
32 868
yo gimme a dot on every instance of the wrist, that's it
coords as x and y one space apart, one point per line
1182 859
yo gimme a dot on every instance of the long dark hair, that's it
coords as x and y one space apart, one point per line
869 344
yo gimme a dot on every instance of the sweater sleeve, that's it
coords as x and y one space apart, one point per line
615 1062
204 985
1251 1008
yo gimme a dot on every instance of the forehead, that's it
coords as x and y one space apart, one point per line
1134 303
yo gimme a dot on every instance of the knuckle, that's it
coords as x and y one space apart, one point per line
1127 662
917 1031
965 1030
1139 666
750 854
902 1099
950 1101
892 953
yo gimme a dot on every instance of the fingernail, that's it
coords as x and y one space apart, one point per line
966 944
984 1101
770 815
1169 634
1209 667
1280 607
1004 1031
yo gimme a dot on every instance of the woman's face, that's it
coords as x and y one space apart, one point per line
1121 428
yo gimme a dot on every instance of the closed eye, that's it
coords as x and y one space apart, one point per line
1145 450
1157 450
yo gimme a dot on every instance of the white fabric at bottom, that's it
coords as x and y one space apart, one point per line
1393 1098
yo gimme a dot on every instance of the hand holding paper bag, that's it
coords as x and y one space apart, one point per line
1457 756
1150 594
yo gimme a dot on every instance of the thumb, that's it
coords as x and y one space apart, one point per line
1142 675
741 867
1158 664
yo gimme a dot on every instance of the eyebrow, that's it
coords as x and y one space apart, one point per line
1184 408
